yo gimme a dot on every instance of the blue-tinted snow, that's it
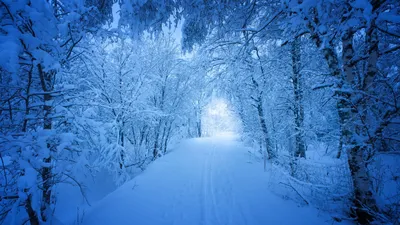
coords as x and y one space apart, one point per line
205 181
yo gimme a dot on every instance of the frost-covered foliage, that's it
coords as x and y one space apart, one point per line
135 96
303 71
77 97
38 39
259 83
120 104
75 100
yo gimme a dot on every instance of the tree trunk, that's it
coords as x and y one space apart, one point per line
122 144
343 103
163 137
198 124
33 218
198 121
260 108
264 128
46 79
300 150
364 202
157 135
274 141
167 138
142 135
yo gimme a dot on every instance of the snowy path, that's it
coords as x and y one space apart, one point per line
205 181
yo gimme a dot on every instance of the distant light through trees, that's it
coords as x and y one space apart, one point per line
218 118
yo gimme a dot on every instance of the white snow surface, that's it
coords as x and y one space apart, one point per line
204 181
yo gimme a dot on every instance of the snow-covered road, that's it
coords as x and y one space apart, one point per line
204 181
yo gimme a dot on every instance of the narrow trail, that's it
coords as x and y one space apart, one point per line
205 181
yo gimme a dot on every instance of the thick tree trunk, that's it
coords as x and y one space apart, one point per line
343 103
300 149
260 109
33 218
364 203
47 79
264 128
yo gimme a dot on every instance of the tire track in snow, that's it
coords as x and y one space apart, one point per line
203 193
230 190
232 195
212 170
209 206
207 202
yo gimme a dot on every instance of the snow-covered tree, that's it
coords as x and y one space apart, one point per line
78 93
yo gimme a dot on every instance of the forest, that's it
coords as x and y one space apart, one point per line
101 90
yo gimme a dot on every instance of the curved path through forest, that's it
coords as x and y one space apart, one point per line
207 181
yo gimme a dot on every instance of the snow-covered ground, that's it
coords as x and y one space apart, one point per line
204 181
